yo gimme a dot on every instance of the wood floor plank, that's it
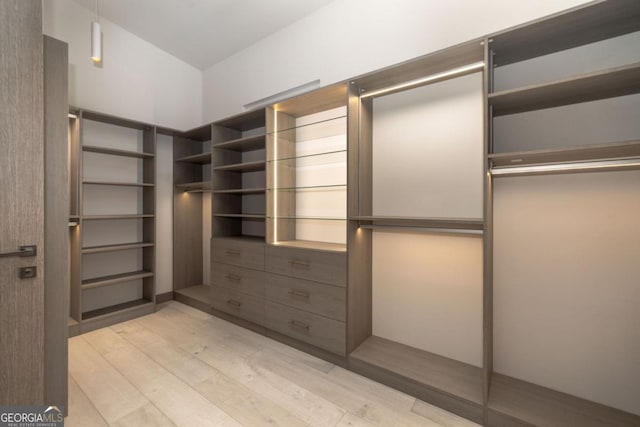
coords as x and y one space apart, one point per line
440 416
350 420
185 368
310 408
182 404
148 415
82 413
174 359
355 403
245 405
111 393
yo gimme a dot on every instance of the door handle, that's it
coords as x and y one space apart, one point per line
24 251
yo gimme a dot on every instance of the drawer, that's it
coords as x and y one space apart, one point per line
316 330
319 298
241 279
319 266
244 253
238 304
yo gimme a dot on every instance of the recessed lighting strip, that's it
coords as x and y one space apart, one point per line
421 81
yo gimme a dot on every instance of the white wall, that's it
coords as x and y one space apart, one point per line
137 80
565 286
351 37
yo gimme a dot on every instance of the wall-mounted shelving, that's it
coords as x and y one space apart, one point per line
112 225
574 79
307 170
191 206
239 178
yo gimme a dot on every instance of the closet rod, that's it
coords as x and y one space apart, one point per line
423 229
561 168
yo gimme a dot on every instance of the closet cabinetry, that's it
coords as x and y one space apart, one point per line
191 205
112 219
563 106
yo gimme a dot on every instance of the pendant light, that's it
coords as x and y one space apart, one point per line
96 39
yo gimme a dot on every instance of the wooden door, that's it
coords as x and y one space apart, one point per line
21 202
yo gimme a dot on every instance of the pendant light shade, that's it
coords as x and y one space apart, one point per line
96 42
96 39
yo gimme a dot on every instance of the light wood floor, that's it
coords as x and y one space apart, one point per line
183 367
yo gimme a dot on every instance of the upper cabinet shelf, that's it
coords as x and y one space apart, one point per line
566 30
117 152
618 150
242 167
399 221
199 159
610 83
248 143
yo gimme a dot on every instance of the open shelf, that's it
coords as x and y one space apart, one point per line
310 217
249 143
402 366
330 120
194 186
609 83
242 167
117 152
245 216
566 30
241 238
311 187
107 217
114 248
240 191
398 221
113 279
198 159
307 244
118 308
511 398
616 150
314 156
119 184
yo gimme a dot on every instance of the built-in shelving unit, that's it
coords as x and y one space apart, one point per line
112 219
238 171
416 231
191 204
307 170
537 83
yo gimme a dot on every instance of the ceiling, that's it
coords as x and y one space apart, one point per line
203 32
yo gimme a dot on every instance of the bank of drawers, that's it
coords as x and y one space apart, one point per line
302 293
306 296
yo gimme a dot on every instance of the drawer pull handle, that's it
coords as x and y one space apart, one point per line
299 325
232 252
299 294
299 263
234 303
233 277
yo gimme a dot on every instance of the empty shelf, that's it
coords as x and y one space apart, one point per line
610 83
451 377
192 186
242 167
125 306
249 143
617 150
200 159
240 191
117 152
119 184
113 248
308 244
99 282
531 404
247 216
105 217
444 223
